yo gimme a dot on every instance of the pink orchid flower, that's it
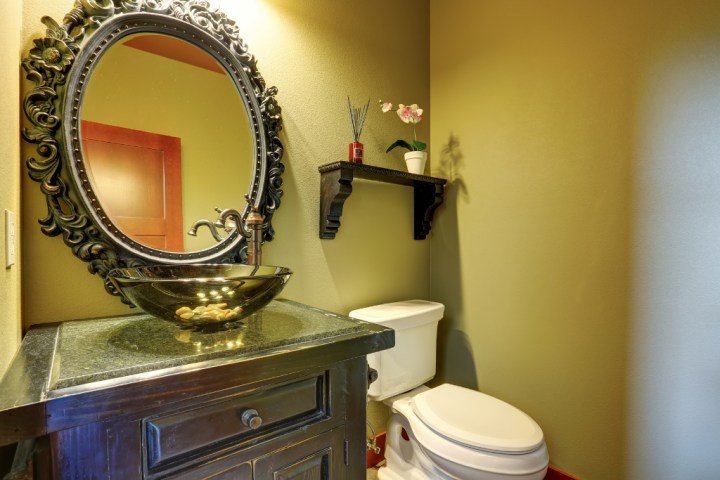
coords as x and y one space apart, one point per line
409 114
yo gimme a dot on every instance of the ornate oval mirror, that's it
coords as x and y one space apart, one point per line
151 118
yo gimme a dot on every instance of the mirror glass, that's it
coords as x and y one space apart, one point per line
166 140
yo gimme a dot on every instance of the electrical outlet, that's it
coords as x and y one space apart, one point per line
9 239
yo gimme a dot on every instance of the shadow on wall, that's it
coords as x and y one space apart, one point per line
451 161
455 363
458 353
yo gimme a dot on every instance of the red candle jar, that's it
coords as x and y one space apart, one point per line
356 152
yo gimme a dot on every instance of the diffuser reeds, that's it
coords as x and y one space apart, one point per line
357 118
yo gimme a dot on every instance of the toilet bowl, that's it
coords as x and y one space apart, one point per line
445 432
450 432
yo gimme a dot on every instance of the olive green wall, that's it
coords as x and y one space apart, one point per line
531 256
577 250
10 47
316 52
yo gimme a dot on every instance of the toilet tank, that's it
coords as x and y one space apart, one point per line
411 362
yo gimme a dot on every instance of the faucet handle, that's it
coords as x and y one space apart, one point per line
254 217
254 223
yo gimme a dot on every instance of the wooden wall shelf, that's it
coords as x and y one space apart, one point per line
336 186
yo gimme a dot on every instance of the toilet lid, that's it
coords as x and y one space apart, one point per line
477 420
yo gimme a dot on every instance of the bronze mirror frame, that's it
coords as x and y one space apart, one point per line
60 65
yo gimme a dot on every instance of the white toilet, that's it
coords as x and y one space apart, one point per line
446 432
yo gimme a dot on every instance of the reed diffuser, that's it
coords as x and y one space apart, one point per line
357 119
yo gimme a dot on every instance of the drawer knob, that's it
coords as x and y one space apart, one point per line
251 419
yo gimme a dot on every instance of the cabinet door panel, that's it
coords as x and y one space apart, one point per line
317 458
316 466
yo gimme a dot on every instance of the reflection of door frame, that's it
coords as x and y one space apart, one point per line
170 148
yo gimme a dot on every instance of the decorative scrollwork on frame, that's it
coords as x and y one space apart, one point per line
47 65
56 62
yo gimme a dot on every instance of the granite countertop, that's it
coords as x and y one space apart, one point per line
94 350
73 358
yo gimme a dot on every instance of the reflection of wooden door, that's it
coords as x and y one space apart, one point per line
138 182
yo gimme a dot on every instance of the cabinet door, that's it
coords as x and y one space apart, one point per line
317 458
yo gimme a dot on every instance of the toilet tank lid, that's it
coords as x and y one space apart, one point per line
406 314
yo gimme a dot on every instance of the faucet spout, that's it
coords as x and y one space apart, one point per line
228 220
207 223
231 220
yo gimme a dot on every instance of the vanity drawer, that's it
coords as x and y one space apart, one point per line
211 426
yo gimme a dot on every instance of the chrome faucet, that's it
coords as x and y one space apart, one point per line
211 226
230 219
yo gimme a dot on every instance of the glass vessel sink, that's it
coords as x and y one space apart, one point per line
206 297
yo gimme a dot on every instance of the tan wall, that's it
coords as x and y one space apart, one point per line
10 47
316 53
554 265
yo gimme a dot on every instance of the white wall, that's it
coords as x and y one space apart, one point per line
674 380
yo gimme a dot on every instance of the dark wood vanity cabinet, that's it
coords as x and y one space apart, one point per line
307 428
292 411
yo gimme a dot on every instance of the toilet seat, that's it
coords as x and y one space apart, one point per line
444 449
477 420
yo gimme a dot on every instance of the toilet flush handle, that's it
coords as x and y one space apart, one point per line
372 375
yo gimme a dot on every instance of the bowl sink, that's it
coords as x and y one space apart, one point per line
203 296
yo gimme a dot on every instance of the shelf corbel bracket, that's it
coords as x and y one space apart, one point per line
336 185
427 197
335 188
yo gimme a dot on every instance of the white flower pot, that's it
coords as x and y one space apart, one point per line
415 162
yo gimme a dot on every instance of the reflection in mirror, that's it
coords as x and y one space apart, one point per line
166 138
